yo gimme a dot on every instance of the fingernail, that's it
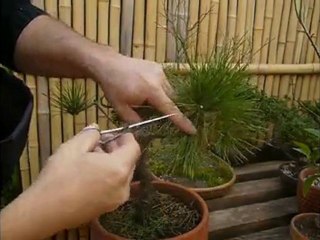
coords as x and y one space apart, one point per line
193 130
92 126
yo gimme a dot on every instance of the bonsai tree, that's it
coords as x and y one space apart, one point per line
217 97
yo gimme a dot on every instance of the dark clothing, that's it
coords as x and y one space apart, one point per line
16 100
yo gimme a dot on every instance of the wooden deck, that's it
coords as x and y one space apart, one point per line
257 207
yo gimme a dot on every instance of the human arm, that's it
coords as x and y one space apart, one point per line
76 186
56 50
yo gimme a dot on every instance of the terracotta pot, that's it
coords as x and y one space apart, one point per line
310 203
294 232
212 192
182 193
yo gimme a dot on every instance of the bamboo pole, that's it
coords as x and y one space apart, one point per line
67 119
265 69
114 32
151 20
161 31
213 25
78 22
316 93
298 49
241 21
24 169
305 80
266 40
52 7
271 86
223 20
126 27
182 25
33 133
103 36
138 32
257 34
232 19
287 82
202 46
249 27
171 51
194 6
91 33
43 110
281 43
55 114
311 56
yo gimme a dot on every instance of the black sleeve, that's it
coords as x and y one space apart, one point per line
14 17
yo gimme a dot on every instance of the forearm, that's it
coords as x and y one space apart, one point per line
50 48
31 216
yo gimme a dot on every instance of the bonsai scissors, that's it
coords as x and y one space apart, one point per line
130 128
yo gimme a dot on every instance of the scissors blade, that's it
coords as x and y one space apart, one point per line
137 125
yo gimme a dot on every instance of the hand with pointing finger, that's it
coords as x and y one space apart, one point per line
130 82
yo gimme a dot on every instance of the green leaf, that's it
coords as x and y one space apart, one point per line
314 132
308 183
303 148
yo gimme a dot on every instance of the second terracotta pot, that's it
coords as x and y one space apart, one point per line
180 192
310 202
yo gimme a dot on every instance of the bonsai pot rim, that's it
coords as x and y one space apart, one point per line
286 163
294 232
306 172
210 192
204 211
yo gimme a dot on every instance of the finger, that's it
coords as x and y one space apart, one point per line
111 145
167 87
128 151
164 104
86 140
126 113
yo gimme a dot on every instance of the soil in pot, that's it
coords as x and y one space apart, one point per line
166 217
309 226
205 177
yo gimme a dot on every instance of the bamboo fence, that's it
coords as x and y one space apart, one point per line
282 61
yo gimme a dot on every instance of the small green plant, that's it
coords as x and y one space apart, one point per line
312 154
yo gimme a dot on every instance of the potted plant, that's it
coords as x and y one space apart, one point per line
305 226
219 100
309 178
155 210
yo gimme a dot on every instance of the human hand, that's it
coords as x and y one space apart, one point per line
129 82
79 184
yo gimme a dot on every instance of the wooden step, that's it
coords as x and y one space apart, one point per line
245 193
279 233
257 171
252 218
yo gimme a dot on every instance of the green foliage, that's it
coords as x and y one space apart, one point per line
308 183
289 121
312 154
71 98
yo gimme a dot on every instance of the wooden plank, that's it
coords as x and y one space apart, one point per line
232 19
251 218
171 50
114 31
222 24
257 171
278 233
245 193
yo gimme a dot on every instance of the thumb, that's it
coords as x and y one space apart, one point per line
86 140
